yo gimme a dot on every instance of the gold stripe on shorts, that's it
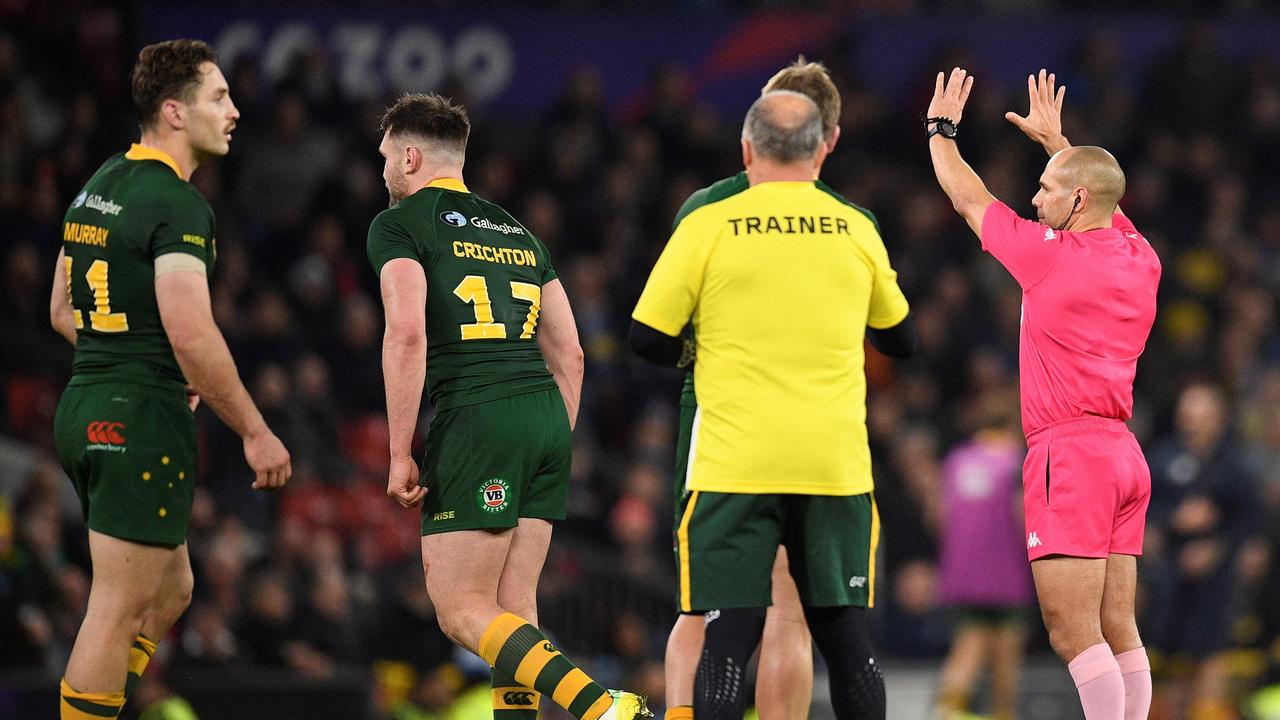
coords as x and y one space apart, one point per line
682 538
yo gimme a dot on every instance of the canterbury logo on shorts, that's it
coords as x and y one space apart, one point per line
103 432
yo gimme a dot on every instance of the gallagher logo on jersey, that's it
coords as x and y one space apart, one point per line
494 495
454 218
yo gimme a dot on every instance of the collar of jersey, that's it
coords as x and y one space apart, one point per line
142 152
453 184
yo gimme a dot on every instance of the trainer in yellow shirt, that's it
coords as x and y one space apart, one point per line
779 283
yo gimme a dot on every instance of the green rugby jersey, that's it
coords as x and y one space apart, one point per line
485 274
135 208
726 188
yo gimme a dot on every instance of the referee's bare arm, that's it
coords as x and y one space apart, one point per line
969 195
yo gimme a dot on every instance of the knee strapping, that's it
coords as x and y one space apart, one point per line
719 690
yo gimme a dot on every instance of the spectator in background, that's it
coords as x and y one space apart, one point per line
982 572
1205 503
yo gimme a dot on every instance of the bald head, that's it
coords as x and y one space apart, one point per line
783 126
1091 167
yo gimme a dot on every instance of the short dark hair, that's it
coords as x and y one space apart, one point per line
168 70
432 117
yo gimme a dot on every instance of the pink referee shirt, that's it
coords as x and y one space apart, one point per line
1088 303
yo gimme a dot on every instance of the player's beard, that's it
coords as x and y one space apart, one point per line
396 187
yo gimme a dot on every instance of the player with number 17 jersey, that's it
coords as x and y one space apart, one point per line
485 272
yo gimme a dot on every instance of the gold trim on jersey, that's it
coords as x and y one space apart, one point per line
142 152
454 184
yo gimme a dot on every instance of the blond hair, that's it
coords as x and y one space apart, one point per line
813 80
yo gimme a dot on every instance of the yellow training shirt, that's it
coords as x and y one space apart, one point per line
780 282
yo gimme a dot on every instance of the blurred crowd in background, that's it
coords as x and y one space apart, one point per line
323 580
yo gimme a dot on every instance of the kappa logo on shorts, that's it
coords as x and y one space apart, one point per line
1033 540
858 581
494 495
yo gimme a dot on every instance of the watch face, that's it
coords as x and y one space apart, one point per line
947 129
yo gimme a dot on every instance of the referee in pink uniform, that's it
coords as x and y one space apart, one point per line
1089 284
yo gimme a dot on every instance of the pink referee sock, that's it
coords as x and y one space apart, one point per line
1136 671
1098 680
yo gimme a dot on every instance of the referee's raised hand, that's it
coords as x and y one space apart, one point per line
950 95
1043 122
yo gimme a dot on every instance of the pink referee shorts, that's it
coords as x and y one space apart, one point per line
1085 489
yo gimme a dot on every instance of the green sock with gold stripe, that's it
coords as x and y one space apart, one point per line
76 705
511 700
139 656
518 649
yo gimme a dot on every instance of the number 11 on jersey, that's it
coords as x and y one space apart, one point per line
474 289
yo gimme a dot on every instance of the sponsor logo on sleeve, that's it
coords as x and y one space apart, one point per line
102 205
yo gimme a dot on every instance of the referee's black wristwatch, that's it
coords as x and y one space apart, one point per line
940 126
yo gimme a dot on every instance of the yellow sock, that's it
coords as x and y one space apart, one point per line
516 648
679 712
88 706
139 656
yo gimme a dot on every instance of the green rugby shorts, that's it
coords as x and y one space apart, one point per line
490 464
726 544
130 451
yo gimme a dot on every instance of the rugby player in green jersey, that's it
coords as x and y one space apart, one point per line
499 355
131 293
